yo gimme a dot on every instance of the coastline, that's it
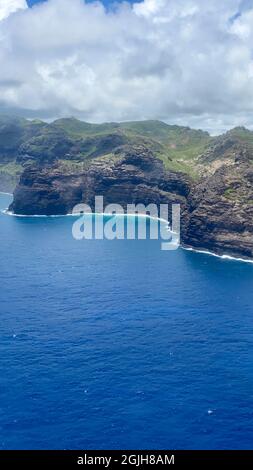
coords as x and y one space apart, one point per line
212 253
223 257
102 214
24 216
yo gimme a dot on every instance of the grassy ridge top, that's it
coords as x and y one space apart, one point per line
73 141
175 145
157 130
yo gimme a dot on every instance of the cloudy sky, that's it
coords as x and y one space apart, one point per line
188 62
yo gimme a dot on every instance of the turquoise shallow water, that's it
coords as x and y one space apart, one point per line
117 344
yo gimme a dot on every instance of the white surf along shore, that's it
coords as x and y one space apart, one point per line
204 252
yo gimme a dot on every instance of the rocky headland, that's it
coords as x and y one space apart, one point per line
70 162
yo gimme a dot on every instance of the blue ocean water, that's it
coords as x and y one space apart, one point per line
117 344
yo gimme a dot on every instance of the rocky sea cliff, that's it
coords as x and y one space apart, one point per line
59 165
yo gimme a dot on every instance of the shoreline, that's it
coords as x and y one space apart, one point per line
212 253
102 214
223 257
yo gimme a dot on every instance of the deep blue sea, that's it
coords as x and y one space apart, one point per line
119 345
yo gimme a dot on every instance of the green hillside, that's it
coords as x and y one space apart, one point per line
177 146
242 134
73 141
76 128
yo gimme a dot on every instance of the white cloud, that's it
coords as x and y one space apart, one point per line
183 61
10 6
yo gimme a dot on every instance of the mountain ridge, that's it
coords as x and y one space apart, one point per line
25 141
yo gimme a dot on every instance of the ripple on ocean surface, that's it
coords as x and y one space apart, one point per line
115 344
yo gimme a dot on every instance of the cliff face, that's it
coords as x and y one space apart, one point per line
216 211
221 212
134 177
24 142
70 162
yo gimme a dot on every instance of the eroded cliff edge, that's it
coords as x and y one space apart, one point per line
216 208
